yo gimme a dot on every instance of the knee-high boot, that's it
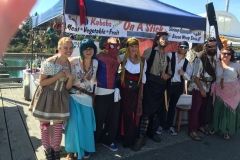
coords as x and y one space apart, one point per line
143 126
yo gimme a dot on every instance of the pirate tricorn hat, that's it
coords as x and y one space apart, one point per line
157 36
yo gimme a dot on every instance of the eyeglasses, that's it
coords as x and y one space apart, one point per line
183 47
88 50
212 46
226 53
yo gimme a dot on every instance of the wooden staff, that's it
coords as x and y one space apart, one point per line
93 97
165 97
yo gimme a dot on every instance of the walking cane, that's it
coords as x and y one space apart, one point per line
93 97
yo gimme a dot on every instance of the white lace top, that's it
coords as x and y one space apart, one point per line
135 68
52 69
230 74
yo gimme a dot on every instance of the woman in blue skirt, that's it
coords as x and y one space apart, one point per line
80 127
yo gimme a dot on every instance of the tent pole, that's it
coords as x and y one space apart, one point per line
63 18
32 51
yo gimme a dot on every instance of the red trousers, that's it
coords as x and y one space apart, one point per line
198 111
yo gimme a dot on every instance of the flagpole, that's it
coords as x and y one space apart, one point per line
227 5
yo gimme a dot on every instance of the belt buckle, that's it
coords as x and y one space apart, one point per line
160 74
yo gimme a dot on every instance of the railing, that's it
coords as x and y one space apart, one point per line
14 63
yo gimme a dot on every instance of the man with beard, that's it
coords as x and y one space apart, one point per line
181 70
107 106
158 71
202 78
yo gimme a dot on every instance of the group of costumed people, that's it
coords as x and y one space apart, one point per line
214 84
94 103
215 91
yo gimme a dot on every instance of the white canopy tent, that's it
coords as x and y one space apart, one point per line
233 43
228 26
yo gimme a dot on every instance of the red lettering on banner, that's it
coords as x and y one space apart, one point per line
147 27
153 28
160 29
93 21
100 22
128 26
140 27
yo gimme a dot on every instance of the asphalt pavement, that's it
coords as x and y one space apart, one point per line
180 147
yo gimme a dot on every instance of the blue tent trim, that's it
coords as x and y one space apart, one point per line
145 11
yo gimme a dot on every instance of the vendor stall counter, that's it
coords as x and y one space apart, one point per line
30 83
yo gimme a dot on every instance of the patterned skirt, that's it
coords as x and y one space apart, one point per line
51 103
225 119
129 119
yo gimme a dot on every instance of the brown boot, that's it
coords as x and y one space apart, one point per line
156 138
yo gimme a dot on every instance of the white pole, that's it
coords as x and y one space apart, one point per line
227 4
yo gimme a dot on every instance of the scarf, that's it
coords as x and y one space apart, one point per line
191 56
230 94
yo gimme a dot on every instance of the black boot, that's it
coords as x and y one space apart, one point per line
57 155
144 125
138 144
48 153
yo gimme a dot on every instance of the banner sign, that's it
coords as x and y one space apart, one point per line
114 28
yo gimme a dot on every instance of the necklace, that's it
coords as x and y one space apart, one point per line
162 60
222 79
87 75
85 69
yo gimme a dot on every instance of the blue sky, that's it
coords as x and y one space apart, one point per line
193 6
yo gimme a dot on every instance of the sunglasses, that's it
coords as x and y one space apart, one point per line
212 40
226 53
212 46
183 47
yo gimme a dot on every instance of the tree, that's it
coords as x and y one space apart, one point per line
79 37
26 37
20 41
